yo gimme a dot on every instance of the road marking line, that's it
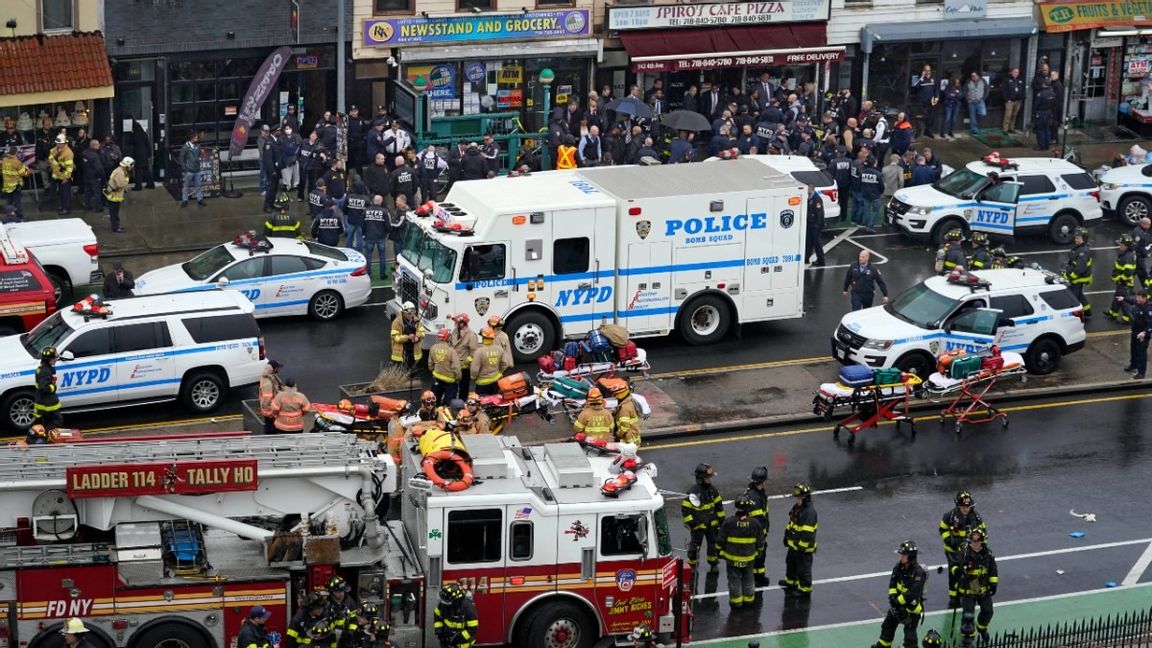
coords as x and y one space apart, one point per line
840 238
937 613
743 367
1107 333
1139 568
1043 252
929 568
883 259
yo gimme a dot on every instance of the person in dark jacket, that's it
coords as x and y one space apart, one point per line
1045 108
905 598
326 131
813 243
922 174
119 283
403 178
703 513
614 145
871 189
357 134
252 632
376 232
93 175
952 97
800 540
1141 326
455 162
429 166
336 181
926 93
474 166
681 149
398 224
110 156
311 158
271 163
841 170
740 541
759 511
354 207
377 178
374 143
327 228
861 281
1014 90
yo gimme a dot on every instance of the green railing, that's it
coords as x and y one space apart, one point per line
505 128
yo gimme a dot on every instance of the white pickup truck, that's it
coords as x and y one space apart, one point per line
65 247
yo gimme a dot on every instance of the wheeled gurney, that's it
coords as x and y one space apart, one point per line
869 404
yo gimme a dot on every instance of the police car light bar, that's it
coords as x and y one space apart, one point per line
961 278
252 242
92 306
994 159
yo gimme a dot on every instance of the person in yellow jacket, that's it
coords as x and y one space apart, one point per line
114 192
407 332
595 421
445 367
480 421
626 417
289 408
14 173
270 385
464 340
63 164
501 340
488 363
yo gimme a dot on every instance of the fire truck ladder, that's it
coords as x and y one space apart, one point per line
53 555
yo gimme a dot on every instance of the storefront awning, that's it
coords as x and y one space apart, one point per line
52 69
510 50
722 47
944 30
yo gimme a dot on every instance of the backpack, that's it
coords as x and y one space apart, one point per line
571 355
597 342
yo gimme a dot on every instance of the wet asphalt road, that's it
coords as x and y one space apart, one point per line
322 356
1091 457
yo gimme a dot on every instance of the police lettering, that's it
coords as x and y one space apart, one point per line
714 224
583 296
84 377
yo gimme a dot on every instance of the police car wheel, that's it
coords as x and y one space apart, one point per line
170 635
19 410
1063 228
531 334
326 305
1133 208
1043 357
203 392
561 625
704 320
916 363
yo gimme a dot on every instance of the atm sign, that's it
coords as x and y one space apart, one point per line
183 478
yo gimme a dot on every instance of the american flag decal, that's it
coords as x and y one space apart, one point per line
523 514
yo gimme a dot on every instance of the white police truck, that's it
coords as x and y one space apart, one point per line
693 248
1045 196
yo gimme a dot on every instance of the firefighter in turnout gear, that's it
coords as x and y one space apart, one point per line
407 332
427 410
800 539
47 404
501 339
932 639
955 526
311 612
740 540
905 598
489 363
445 367
369 630
595 421
1124 279
1077 269
1001 259
282 223
464 341
980 259
455 618
626 418
703 511
322 634
341 611
480 421
759 511
951 256
977 581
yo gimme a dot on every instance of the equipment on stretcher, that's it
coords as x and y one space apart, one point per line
869 402
596 370
571 405
970 387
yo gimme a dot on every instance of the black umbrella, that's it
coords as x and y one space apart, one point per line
631 106
685 120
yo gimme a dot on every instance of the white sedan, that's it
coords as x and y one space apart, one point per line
284 276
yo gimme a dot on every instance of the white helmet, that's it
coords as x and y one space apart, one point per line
73 626
409 307
127 161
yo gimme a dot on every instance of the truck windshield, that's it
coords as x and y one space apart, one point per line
208 263
426 253
922 306
48 333
961 183
663 538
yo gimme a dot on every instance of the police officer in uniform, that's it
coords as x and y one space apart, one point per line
455 622
376 233
841 170
800 539
813 244
327 228
980 258
861 281
1142 234
1077 269
282 223
1141 333
759 511
312 611
977 581
594 421
47 405
703 511
740 540
951 256
429 164
955 526
1124 279
905 598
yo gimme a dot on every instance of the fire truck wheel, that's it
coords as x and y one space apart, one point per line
560 624
18 409
531 334
704 320
170 635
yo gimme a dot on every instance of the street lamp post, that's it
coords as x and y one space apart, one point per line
546 78
420 84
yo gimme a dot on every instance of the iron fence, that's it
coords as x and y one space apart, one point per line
1118 630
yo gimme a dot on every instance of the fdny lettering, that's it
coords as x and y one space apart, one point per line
714 224
583 296
72 608
84 377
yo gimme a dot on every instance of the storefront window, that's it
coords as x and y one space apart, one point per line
468 5
1137 86
391 6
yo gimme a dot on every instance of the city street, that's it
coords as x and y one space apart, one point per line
1025 481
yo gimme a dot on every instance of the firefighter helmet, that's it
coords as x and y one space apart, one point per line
314 600
704 471
48 353
964 498
976 536
320 630
759 474
488 333
428 398
595 397
461 318
379 627
979 238
908 548
444 334
954 235
933 640
495 321
368 610
74 626
282 200
1082 232
744 504
127 162
641 634
337 584
999 252
802 490
1126 239
408 307
452 594
473 399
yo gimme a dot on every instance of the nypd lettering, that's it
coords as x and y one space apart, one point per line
81 377
714 228
583 296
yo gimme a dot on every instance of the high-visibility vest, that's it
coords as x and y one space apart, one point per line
566 157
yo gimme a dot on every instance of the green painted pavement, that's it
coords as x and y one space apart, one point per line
1010 616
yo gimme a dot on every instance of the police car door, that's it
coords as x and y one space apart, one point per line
583 267
486 279
973 327
248 277
87 378
145 366
995 209
290 286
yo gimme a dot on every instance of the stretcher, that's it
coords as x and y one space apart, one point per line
561 403
869 404
593 371
969 404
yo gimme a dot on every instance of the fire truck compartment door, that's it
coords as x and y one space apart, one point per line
576 549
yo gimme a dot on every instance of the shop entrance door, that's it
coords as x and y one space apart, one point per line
135 107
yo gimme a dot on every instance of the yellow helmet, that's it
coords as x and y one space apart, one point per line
595 397
488 333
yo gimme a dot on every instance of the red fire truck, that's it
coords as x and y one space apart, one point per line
171 541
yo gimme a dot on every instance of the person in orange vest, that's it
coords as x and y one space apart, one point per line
445 367
595 421
489 363
270 385
289 408
566 153
407 332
